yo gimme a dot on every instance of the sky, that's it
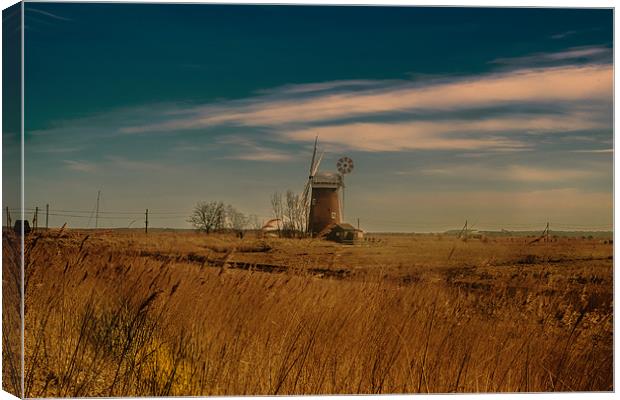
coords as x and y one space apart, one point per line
503 117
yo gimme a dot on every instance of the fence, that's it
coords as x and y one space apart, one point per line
90 219
157 218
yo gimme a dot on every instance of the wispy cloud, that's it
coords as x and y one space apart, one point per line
587 54
301 117
563 35
398 137
243 148
561 204
114 162
595 151
80 166
55 150
512 173
529 174
332 86
134 165
439 135
261 154
48 14
375 116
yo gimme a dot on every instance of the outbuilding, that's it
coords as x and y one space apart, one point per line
18 227
344 233
270 228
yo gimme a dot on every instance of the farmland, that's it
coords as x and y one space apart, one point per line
121 313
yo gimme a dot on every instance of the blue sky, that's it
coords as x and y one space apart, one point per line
499 116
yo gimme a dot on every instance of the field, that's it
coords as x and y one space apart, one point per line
111 313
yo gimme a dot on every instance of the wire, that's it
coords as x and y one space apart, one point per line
157 215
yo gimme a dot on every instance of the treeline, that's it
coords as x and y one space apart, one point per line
289 211
215 216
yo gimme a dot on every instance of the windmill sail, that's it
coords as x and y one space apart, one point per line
316 139
314 166
309 182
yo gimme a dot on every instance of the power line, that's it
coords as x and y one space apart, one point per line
112 212
156 215
87 216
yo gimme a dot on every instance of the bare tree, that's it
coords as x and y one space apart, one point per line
294 211
235 219
278 208
254 222
208 216
290 211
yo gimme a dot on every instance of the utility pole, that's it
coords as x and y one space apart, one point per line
47 216
547 232
8 218
146 222
464 230
35 222
97 213
358 223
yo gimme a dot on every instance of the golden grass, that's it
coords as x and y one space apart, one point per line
123 314
11 315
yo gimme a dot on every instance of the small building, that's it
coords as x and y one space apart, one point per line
270 228
344 233
473 234
18 227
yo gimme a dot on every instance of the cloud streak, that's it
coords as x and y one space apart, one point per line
565 84
80 166
589 54
48 14
544 202
261 154
249 150
595 151
563 35
115 162
512 173
497 111
490 134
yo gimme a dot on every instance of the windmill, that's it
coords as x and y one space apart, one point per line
321 193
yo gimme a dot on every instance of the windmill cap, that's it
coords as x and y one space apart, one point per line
326 178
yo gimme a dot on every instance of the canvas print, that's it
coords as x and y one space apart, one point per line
204 200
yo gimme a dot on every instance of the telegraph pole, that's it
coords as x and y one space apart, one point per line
35 222
466 231
8 218
47 216
97 213
146 221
